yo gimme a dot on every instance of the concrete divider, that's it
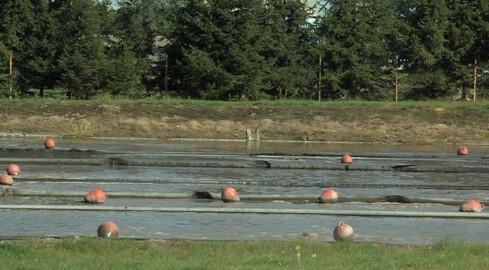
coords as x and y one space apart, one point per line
243 161
322 184
244 197
230 210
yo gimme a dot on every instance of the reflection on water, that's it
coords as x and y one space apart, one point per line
55 176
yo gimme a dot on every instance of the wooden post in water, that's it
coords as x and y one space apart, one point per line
475 77
10 74
319 79
396 84
166 77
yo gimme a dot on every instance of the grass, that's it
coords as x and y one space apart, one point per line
107 99
81 129
91 253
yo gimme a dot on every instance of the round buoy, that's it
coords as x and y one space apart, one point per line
229 194
328 196
463 151
96 196
108 230
343 232
472 206
13 169
346 159
6 179
49 144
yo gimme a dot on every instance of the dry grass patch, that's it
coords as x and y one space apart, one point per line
110 109
81 129
194 125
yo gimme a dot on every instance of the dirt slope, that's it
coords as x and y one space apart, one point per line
304 123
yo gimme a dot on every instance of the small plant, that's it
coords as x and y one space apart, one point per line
82 129
298 255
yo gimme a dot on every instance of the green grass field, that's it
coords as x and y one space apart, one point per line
92 253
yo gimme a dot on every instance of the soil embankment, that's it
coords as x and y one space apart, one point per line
302 123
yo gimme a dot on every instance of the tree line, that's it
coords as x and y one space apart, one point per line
246 49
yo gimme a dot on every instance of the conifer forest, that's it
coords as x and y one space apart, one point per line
245 49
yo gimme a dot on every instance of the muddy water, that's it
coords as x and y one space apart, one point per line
289 169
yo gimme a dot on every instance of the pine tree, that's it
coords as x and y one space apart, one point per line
134 33
216 50
288 47
4 68
82 61
426 24
38 54
355 48
12 27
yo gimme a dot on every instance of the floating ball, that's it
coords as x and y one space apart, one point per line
96 196
346 159
6 179
13 169
472 206
108 230
49 144
328 196
229 194
343 232
462 151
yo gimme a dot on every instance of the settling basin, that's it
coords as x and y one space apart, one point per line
394 194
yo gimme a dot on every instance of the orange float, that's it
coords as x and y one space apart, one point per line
462 151
6 179
108 230
328 196
96 196
229 194
49 144
346 159
343 232
472 206
13 169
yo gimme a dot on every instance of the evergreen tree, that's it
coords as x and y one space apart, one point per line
472 24
288 47
426 55
133 35
215 50
12 27
461 38
38 55
354 41
82 61
4 68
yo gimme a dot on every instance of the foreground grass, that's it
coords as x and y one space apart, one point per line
91 253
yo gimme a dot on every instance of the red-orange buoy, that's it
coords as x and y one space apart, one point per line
471 206
328 196
346 159
96 196
49 144
6 179
13 169
343 232
463 151
108 230
229 194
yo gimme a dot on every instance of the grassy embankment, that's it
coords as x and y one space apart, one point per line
91 253
480 104
428 122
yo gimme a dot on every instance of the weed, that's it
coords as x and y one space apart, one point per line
81 129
